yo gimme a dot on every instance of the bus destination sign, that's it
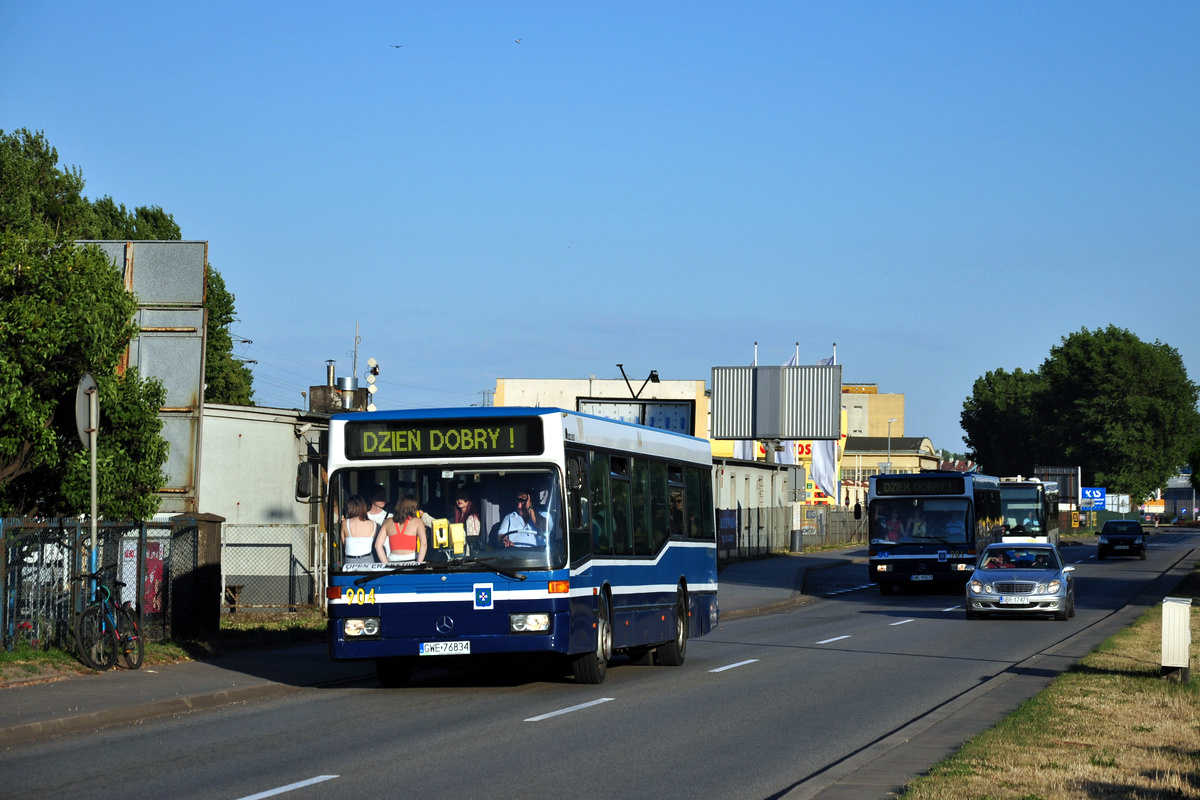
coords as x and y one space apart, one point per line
397 439
919 484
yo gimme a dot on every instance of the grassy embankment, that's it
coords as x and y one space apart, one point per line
1108 728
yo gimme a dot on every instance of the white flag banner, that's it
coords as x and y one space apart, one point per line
743 449
824 457
824 466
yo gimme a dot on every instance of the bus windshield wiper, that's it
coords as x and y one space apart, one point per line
436 566
507 572
377 574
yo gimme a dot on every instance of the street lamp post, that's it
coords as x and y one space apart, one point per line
889 461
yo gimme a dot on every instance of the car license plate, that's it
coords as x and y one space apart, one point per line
1014 601
445 648
922 577
1120 547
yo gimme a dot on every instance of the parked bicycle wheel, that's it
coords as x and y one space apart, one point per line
95 638
133 647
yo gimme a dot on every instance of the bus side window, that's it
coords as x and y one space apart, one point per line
660 526
579 506
641 508
677 502
700 518
601 508
619 487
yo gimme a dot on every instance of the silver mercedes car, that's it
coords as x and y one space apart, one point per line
1012 578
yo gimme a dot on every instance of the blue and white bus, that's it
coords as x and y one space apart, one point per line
547 532
928 527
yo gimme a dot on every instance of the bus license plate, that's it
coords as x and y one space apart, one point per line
1014 601
445 648
922 577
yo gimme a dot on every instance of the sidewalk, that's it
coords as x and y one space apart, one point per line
96 700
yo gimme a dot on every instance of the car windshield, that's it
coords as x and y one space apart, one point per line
1019 558
438 518
1121 526
919 520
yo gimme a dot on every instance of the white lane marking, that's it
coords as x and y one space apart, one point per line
952 608
731 666
579 707
289 787
901 622
834 639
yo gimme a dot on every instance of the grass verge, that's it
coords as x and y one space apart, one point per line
1108 728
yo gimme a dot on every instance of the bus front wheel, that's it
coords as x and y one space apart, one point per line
592 667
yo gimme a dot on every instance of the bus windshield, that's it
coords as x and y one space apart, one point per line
920 520
1022 509
410 519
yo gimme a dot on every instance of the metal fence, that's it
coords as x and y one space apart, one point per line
749 532
272 567
40 558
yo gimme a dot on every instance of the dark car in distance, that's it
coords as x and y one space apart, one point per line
1121 537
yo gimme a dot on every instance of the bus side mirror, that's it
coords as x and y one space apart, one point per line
304 481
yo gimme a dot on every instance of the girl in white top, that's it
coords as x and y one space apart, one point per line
358 532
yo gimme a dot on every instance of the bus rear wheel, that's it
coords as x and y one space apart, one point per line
592 667
673 652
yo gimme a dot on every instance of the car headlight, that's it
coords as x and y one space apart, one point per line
1054 586
1102 540
1041 589
1138 540
976 587
368 626
528 623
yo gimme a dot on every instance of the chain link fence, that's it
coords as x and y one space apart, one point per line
750 532
41 557
272 567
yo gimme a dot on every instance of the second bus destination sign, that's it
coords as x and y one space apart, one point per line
450 438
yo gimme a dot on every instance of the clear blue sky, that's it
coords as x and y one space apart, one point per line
940 188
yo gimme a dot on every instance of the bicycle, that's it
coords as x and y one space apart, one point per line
106 630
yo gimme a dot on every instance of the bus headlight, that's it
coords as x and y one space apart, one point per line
883 567
361 627
528 623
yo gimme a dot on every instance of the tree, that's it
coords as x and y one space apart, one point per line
226 380
1001 421
64 311
1121 409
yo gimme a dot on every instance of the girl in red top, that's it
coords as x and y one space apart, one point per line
403 537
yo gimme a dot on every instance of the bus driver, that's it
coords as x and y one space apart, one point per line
525 527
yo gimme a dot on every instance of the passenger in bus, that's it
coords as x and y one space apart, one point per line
675 500
895 528
378 512
919 528
404 537
467 515
525 527
358 531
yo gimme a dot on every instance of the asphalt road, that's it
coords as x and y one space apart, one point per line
765 707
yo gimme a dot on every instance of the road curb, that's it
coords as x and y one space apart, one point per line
95 720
